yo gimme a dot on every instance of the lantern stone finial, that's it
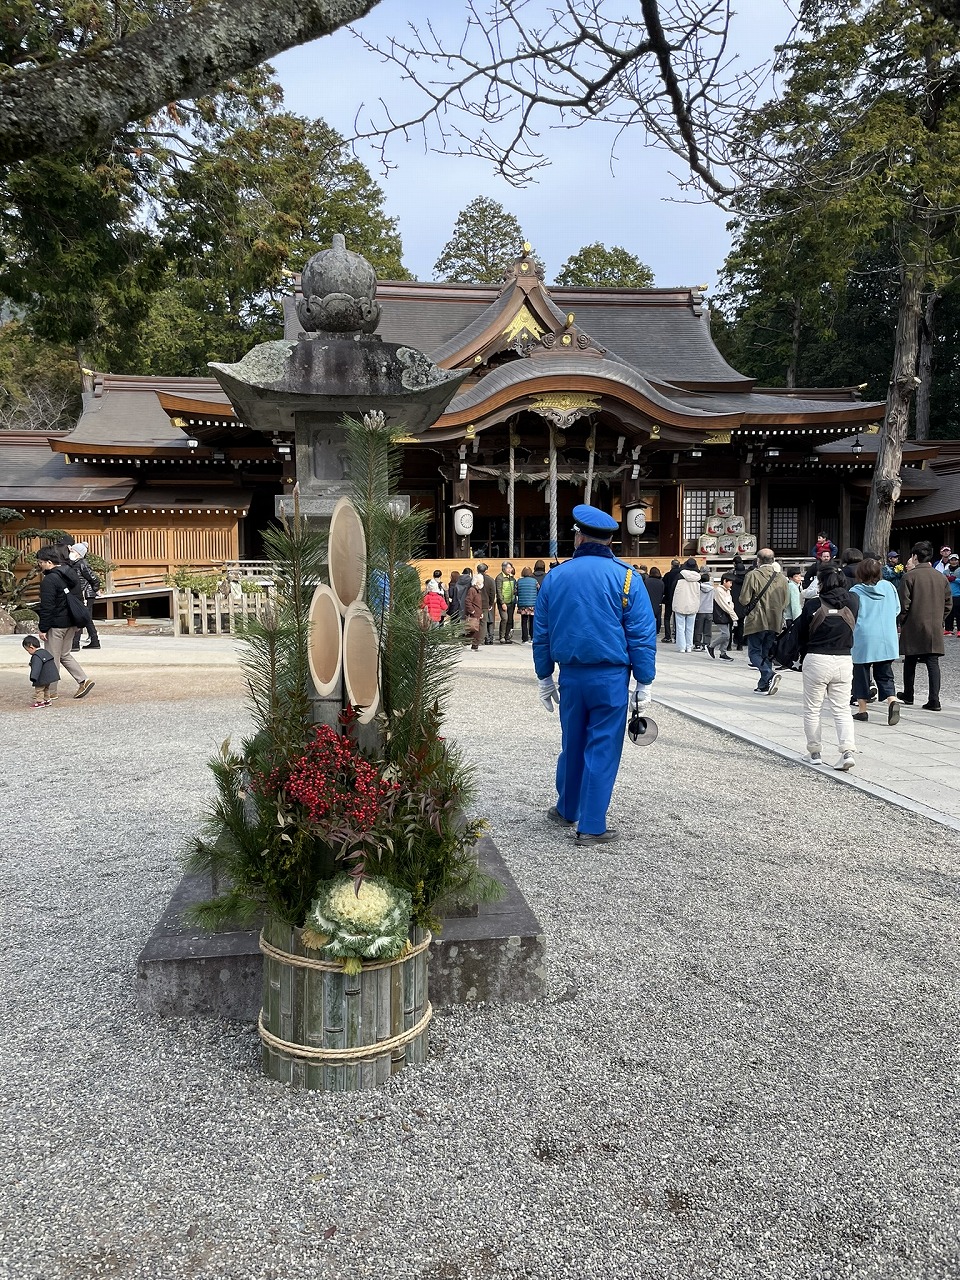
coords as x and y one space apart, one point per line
339 292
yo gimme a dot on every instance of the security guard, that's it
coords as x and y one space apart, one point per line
594 620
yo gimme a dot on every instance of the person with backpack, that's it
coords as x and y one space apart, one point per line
57 625
489 600
826 642
506 585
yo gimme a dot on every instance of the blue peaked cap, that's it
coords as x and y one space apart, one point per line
593 521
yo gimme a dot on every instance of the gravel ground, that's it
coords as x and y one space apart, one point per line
745 1066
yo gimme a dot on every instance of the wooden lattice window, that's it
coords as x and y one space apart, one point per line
784 533
697 506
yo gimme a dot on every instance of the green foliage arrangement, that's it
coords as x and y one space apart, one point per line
299 804
204 584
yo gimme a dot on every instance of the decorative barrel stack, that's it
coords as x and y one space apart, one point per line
323 1028
725 533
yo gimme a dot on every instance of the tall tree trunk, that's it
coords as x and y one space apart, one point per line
794 347
885 490
925 372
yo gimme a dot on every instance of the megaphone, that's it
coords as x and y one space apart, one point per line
642 730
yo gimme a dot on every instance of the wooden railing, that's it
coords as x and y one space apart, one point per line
216 615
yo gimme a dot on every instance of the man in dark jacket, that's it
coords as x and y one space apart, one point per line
670 579
926 601
489 601
56 627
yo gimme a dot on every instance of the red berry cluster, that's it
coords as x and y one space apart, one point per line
336 785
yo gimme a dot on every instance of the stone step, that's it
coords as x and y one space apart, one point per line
496 954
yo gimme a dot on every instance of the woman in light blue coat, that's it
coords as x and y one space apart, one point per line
875 643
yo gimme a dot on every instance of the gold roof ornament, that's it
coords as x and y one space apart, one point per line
563 408
527 247
523 323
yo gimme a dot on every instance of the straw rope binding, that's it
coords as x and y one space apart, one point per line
354 1054
336 966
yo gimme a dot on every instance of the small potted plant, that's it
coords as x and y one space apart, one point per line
131 608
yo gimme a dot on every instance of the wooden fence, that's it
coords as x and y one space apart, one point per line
216 615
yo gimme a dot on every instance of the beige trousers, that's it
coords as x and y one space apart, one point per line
828 676
58 643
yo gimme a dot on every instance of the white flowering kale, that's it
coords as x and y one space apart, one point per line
348 923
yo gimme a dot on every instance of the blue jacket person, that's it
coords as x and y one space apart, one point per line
593 619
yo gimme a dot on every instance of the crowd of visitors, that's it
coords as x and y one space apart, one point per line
853 615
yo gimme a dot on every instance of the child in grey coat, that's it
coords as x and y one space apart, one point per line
43 670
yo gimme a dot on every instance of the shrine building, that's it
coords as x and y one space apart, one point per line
617 397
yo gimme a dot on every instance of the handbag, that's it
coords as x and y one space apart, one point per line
78 612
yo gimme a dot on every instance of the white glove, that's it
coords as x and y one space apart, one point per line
549 693
640 698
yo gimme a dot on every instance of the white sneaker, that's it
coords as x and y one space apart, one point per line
814 758
774 685
846 762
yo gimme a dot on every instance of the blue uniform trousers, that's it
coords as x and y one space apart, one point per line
593 719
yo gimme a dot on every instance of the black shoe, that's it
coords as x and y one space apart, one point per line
905 698
610 836
94 644
932 706
554 815
861 716
710 651
724 657
893 712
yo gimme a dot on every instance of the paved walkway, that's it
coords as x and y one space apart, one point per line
914 765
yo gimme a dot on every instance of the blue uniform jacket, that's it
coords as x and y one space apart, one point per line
580 618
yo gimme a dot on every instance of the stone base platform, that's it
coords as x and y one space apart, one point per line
496 954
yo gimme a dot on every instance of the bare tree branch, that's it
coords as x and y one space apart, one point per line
90 97
666 71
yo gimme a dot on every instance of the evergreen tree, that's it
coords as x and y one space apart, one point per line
258 200
866 138
596 266
486 240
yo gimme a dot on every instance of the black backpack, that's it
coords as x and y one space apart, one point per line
788 644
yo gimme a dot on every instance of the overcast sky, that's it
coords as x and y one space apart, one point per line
585 195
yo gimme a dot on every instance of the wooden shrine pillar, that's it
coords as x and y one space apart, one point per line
845 504
763 520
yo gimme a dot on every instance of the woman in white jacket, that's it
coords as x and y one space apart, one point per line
686 602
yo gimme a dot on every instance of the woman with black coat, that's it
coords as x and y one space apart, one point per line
739 573
654 584
826 644
56 627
